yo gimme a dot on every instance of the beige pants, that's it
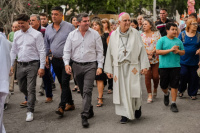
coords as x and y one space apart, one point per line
11 86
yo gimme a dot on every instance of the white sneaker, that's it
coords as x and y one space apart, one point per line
29 116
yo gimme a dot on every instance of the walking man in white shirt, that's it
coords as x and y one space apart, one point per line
28 44
84 46
5 47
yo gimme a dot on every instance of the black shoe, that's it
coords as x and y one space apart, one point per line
166 99
53 86
84 121
5 106
138 113
174 107
124 120
41 92
91 112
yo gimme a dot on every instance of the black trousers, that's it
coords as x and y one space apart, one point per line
63 79
110 84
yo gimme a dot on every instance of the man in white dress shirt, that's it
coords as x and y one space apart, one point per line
84 46
28 44
5 47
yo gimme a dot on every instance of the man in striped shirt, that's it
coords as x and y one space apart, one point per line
163 21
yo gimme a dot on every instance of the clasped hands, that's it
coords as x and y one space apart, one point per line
175 49
150 54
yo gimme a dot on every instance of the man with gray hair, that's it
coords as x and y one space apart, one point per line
112 24
140 20
126 58
47 82
84 46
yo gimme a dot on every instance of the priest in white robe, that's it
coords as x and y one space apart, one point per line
126 60
5 62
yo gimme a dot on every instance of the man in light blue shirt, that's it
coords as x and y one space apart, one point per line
55 37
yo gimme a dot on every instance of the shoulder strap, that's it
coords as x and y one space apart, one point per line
183 36
198 36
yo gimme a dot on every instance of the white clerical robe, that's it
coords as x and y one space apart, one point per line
5 64
126 70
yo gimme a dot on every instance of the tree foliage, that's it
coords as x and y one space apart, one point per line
116 6
10 8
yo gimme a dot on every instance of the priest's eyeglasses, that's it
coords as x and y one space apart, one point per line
126 20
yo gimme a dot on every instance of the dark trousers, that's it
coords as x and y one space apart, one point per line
85 76
63 79
47 82
110 84
189 78
75 82
52 82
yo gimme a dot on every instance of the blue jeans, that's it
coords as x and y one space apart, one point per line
189 79
47 82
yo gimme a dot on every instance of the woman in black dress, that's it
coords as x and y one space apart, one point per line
97 25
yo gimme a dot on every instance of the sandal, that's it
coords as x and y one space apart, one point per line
193 97
180 95
149 100
78 90
74 89
99 104
155 93
109 91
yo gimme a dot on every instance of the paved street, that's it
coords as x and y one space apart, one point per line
156 117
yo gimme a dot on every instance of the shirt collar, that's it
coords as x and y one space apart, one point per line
89 29
28 31
39 28
61 24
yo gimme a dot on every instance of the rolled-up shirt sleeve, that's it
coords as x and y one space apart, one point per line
99 51
67 50
46 42
41 49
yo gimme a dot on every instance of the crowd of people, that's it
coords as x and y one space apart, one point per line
113 52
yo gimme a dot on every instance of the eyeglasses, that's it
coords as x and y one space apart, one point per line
195 24
126 20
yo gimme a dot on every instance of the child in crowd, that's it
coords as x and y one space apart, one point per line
169 48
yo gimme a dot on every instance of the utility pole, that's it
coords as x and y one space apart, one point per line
154 10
